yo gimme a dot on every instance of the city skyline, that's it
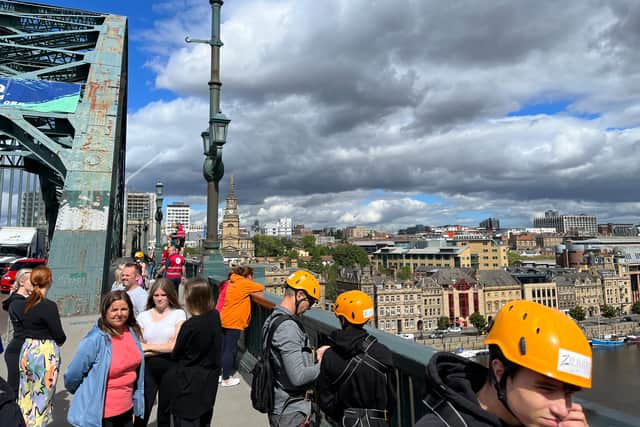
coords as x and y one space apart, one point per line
392 114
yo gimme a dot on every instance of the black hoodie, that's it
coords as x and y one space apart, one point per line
365 388
10 414
16 315
452 383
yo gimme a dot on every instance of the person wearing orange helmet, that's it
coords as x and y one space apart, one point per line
538 358
294 368
356 375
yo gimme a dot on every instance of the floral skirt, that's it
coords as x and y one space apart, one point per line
39 367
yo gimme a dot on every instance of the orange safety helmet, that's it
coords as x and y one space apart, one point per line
139 254
354 306
305 281
544 340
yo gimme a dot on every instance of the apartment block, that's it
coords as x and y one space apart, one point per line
485 253
438 254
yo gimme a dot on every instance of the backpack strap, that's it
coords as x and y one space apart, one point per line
277 321
444 410
361 358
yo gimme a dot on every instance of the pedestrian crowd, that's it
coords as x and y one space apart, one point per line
175 345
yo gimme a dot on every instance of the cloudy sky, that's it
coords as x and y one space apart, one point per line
393 113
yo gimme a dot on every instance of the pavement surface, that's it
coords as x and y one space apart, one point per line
232 407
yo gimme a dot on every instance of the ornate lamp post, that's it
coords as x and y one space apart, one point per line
213 140
158 217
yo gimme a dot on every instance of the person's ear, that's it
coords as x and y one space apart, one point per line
498 368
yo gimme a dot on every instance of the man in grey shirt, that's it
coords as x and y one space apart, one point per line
130 275
294 368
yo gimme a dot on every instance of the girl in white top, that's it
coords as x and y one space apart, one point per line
160 325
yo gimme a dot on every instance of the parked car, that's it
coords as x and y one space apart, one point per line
437 334
454 329
9 277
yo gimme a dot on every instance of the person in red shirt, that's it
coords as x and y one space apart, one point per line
174 268
181 235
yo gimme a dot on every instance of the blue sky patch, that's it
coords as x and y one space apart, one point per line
551 108
141 15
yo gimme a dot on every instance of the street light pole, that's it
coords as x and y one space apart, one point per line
158 217
213 140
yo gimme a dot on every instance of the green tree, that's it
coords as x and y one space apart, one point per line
308 243
404 273
478 321
578 313
331 272
268 246
635 308
513 257
608 311
349 255
443 322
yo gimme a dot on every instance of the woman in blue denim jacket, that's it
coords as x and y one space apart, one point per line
101 362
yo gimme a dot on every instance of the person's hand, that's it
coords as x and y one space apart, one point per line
575 417
320 351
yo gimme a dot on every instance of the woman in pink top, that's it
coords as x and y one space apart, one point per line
109 362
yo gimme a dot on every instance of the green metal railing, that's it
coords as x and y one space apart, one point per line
409 358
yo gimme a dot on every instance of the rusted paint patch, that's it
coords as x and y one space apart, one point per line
84 211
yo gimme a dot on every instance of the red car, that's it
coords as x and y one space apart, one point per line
6 282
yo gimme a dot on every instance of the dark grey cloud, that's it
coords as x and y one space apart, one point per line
406 97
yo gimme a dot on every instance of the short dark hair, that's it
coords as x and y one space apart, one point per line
134 265
105 304
198 298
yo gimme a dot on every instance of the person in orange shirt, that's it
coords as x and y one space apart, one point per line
235 315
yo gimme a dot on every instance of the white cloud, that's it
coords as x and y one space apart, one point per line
408 97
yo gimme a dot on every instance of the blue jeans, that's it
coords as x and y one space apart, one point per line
229 344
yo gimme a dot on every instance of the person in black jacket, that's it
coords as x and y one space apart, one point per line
10 414
193 382
356 375
538 358
22 289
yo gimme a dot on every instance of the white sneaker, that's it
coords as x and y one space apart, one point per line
230 382
219 379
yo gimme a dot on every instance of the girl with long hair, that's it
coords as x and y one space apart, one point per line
106 374
160 325
193 381
40 354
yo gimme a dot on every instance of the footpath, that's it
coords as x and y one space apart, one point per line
232 408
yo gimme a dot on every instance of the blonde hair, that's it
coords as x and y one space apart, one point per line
19 276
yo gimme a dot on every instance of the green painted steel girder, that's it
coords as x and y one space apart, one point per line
78 152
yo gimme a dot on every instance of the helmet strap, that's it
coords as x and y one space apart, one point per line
298 301
501 386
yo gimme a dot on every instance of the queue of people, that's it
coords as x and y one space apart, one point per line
134 356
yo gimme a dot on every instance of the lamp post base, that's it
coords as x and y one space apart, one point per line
213 268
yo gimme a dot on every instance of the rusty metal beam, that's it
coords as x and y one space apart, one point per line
79 155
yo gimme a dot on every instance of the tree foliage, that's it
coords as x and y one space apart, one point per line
308 243
404 273
268 246
443 322
608 311
513 258
478 321
635 308
350 255
578 313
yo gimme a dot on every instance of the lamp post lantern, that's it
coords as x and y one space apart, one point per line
213 139
158 217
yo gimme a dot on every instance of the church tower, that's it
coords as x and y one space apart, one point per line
231 220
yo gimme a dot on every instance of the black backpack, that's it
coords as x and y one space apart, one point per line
262 381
